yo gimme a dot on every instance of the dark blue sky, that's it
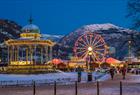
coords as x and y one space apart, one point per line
64 16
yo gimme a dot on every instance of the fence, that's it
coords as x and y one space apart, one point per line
75 88
64 81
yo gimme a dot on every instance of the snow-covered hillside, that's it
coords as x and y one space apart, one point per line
55 38
113 35
9 29
105 26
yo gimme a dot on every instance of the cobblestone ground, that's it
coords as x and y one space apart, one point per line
131 86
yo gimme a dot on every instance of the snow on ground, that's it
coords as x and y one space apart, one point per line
62 77
134 79
109 87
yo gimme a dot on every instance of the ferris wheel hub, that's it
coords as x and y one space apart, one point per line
90 48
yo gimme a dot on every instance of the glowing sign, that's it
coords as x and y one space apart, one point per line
30 42
30 35
21 62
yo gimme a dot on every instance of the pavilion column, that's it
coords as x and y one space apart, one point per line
41 55
22 53
35 55
27 55
46 49
50 55
31 54
11 54
17 53
8 59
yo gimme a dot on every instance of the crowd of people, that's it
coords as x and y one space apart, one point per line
112 71
121 70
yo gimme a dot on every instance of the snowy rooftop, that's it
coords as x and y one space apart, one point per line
31 28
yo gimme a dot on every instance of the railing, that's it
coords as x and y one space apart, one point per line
38 82
76 87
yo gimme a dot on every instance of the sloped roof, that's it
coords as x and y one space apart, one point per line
57 61
111 60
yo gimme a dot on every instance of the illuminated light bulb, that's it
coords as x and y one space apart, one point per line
89 48
90 53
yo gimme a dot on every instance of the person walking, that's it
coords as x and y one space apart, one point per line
112 72
123 72
79 71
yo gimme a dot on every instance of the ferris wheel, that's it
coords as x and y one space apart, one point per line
91 44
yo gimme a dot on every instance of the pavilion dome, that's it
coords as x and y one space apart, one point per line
30 28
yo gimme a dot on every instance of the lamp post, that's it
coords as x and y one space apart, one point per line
129 51
89 74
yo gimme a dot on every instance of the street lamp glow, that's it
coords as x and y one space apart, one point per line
89 48
129 42
90 53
